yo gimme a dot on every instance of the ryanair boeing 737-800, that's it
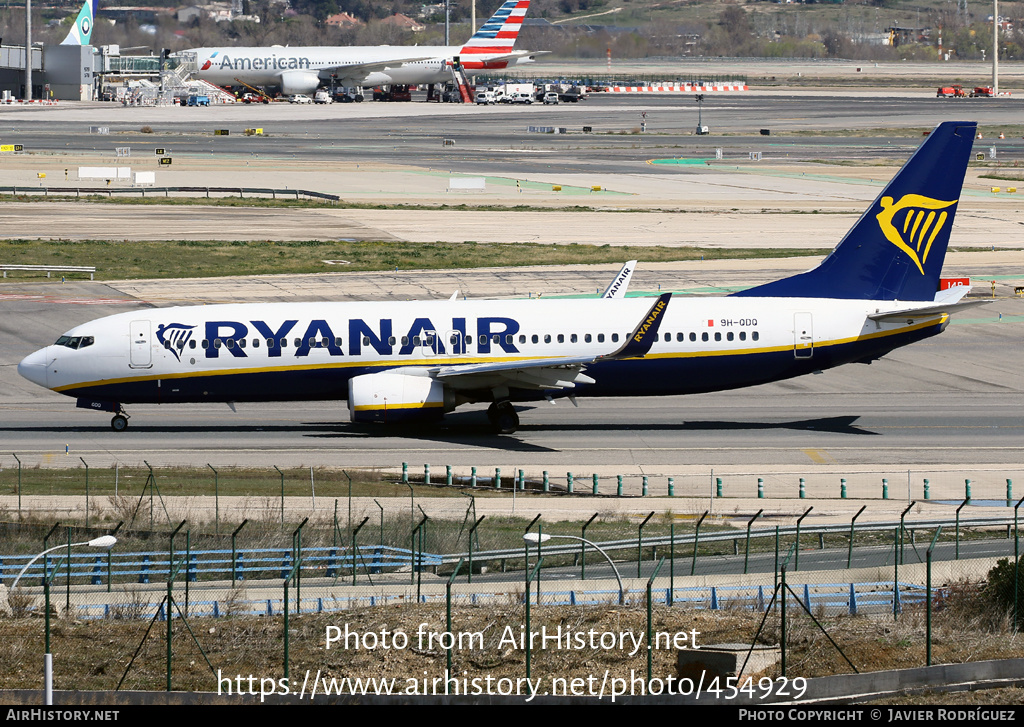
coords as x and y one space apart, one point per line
413 361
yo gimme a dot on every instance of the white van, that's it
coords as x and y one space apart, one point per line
323 96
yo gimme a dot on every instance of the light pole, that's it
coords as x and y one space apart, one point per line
538 538
107 542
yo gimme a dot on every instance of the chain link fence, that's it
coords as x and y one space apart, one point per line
422 593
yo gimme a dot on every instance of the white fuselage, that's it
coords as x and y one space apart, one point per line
221 352
303 67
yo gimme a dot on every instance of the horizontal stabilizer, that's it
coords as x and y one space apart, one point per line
926 312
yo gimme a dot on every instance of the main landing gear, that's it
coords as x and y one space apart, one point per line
503 417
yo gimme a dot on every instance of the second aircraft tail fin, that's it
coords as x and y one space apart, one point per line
81 31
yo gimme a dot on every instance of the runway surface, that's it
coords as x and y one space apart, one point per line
953 402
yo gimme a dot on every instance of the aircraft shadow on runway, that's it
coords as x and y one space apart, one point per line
471 428
468 428
834 425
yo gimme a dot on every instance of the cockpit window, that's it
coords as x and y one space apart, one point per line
75 342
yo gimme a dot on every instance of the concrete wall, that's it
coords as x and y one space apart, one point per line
69 71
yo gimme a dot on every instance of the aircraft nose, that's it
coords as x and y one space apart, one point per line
34 367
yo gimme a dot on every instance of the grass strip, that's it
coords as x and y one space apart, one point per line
119 260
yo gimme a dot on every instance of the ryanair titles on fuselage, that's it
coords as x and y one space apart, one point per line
490 331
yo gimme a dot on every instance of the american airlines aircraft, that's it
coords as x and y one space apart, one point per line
413 361
303 69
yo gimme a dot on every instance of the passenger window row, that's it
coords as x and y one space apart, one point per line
83 341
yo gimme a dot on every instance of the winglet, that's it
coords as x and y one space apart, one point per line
645 334
618 287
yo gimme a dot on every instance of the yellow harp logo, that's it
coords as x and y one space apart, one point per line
912 224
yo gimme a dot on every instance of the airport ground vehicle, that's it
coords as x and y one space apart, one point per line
411 361
254 98
983 92
196 100
393 92
484 97
953 91
299 98
551 97
323 96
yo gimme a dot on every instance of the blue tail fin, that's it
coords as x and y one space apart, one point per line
896 249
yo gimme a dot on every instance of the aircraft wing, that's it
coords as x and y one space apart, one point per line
555 372
925 312
361 70
516 55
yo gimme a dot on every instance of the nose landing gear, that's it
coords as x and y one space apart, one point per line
120 421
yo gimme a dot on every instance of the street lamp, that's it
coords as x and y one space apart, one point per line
538 538
106 542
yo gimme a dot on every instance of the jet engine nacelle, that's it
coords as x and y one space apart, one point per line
293 82
392 398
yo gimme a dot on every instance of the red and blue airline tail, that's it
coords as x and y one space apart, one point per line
896 249
497 35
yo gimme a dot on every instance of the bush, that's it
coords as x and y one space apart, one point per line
999 586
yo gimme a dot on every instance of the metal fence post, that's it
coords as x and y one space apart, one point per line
958 528
796 563
216 500
650 622
895 575
282 496
529 628
355 552
1016 569
448 615
849 555
696 539
902 528
928 614
746 554
640 543
583 547
86 493
472 532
